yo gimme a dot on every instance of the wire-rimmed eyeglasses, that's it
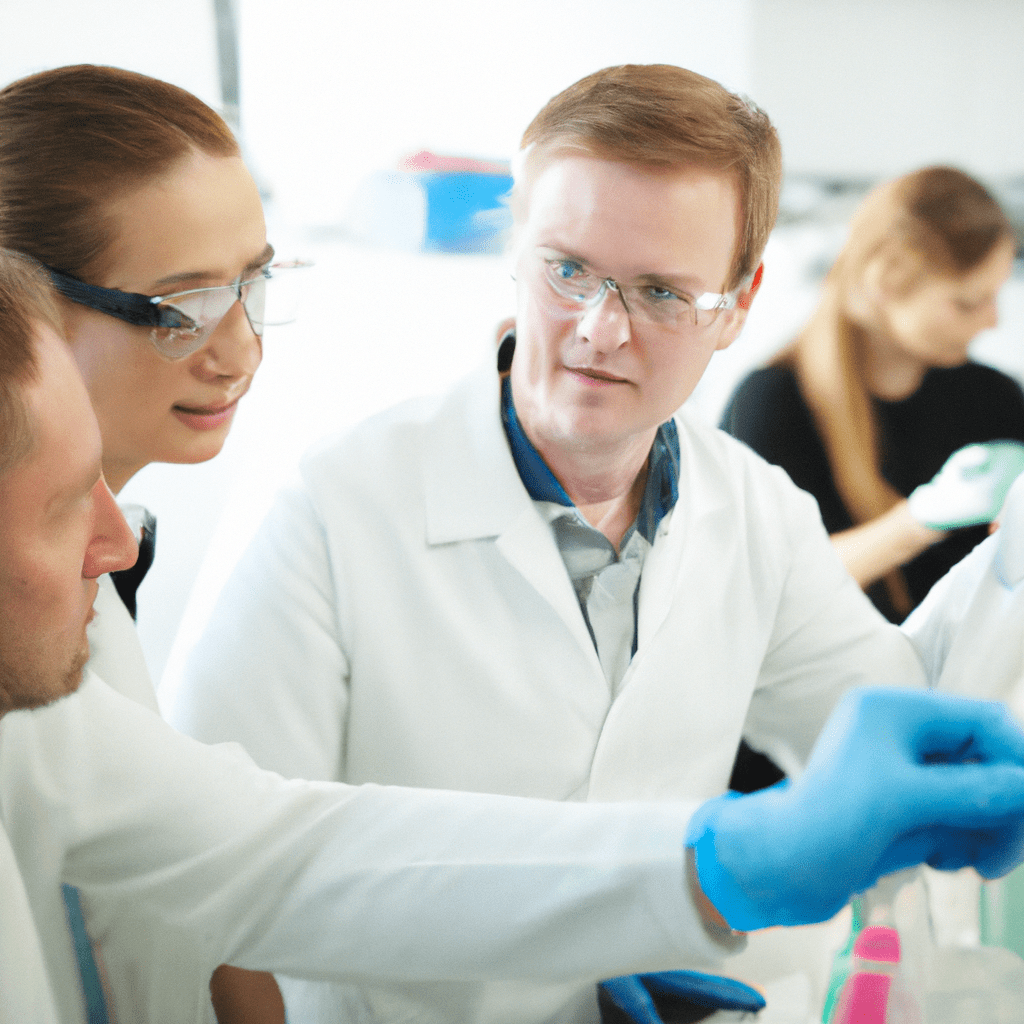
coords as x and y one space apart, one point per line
576 288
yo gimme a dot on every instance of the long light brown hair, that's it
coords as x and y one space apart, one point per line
938 220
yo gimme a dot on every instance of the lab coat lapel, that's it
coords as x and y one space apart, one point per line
530 548
665 567
645 728
472 491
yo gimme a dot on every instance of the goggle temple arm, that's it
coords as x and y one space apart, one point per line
132 309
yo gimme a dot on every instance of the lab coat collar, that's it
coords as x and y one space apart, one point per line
472 491
470 484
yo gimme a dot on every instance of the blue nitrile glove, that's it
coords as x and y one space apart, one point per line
897 778
633 993
970 488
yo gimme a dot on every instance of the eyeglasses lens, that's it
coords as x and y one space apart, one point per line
198 313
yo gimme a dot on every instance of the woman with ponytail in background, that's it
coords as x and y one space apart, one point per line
878 391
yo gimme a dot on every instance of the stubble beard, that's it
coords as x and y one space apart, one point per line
27 686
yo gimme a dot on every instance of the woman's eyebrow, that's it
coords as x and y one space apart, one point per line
265 256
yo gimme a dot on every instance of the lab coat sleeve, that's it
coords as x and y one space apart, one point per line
25 991
274 620
826 638
189 856
969 629
934 624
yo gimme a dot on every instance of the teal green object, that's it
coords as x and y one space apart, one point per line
970 488
1002 913
88 970
842 963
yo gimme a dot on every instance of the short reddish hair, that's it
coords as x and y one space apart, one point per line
660 115
73 137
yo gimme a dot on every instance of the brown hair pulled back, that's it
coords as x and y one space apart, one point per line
937 220
72 138
660 115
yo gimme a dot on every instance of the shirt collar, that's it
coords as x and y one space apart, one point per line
660 492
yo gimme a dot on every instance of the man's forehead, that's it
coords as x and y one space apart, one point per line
532 163
578 178
653 219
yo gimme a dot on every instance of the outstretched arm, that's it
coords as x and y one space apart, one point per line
875 548
969 490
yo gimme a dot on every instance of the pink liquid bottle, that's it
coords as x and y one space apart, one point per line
874 992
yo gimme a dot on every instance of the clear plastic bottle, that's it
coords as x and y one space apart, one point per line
875 991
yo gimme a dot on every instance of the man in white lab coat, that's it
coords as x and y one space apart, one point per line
549 582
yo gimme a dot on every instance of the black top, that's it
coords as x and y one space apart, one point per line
951 408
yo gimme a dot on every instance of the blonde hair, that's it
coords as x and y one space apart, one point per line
938 220
659 115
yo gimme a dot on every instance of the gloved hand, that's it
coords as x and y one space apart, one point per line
685 992
897 778
970 488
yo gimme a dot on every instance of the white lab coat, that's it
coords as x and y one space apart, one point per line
25 990
188 856
115 654
404 616
969 632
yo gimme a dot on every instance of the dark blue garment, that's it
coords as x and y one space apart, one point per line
92 987
127 581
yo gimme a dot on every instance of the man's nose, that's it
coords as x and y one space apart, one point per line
605 324
113 545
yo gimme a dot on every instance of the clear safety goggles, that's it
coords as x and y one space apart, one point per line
180 323
572 288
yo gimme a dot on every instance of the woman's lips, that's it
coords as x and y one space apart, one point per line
206 417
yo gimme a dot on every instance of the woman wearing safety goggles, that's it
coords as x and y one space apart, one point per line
133 194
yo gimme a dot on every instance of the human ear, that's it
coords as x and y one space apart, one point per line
747 297
734 319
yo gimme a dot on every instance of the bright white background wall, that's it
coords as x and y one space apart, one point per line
171 41
333 89
879 87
